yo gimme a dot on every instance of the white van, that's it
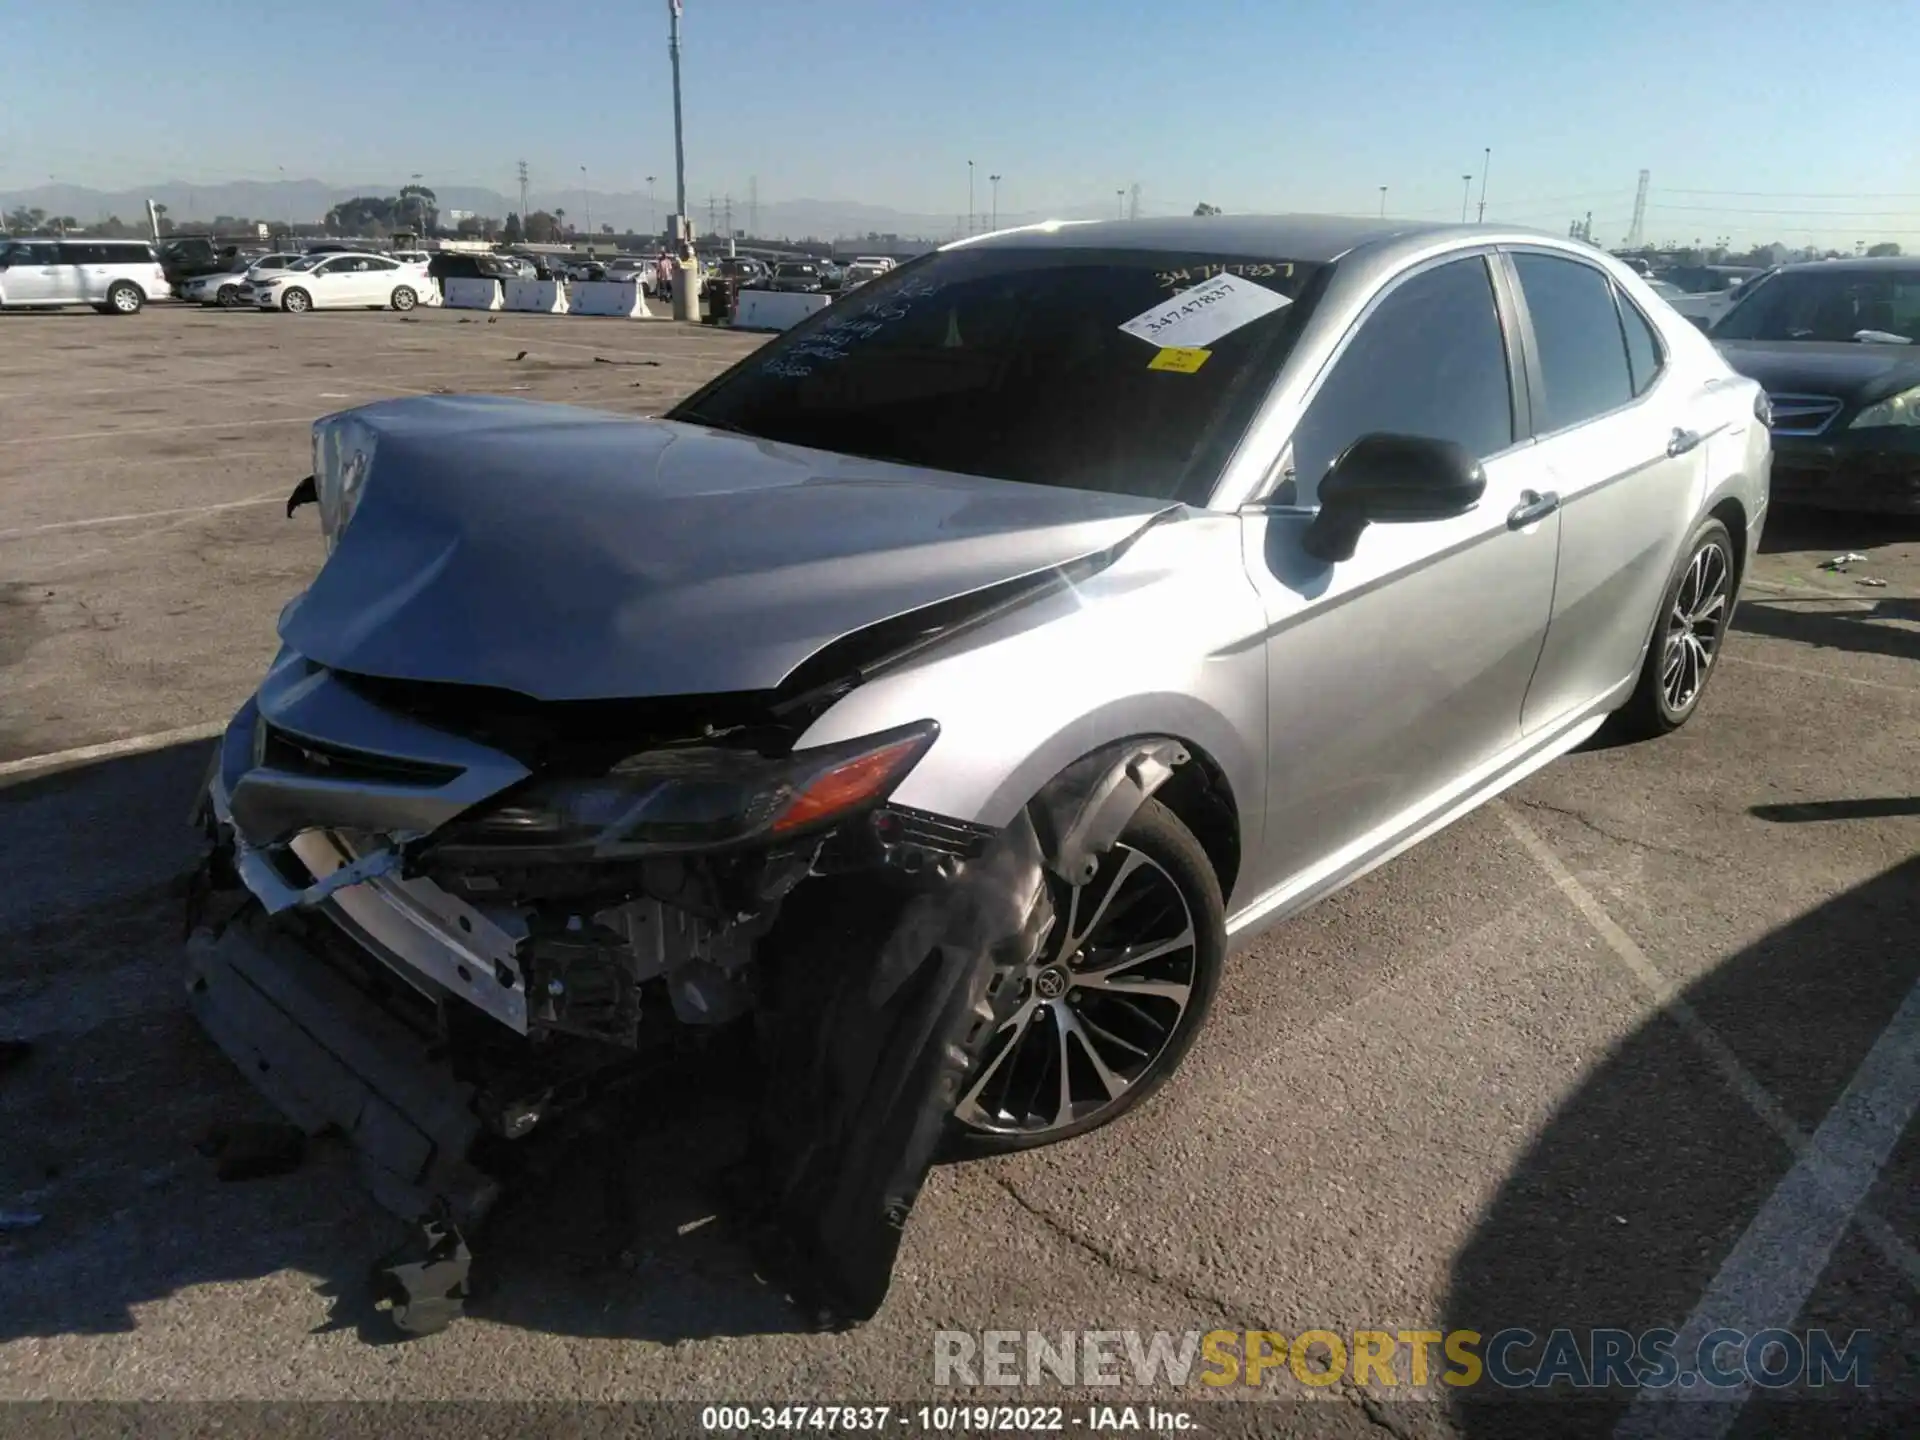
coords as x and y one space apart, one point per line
116 277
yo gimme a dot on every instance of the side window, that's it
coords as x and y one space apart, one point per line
36 252
330 267
1430 360
1643 345
1576 330
378 265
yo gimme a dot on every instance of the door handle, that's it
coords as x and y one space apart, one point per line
1682 442
1533 507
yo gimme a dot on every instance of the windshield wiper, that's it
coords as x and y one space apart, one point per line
1880 337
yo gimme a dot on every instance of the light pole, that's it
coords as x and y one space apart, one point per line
679 143
1486 164
994 181
969 197
1120 204
1466 189
653 206
418 212
586 204
287 199
1383 202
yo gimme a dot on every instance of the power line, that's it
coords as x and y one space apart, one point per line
1792 194
1811 214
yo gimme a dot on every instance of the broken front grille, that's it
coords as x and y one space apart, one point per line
298 755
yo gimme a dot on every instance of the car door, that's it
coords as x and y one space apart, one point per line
1397 673
1614 429
377 279
34 273
338 281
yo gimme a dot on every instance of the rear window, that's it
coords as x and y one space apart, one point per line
1012 363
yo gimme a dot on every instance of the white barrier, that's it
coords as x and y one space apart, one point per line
470 294
774 310
608 297
543 297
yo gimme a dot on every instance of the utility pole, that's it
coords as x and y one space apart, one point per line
1636 235
679 141
994 181
727 213
712 224
1466 189
523 197
1486 164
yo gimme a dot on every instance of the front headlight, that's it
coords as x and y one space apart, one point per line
1896 410
342 455
700 797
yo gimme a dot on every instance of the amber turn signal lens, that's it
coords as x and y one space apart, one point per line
847 785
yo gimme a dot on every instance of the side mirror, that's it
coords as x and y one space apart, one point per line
1394 479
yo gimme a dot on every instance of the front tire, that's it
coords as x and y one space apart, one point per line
124 298
228 296
1694 614
1112 1003
404 299
296 302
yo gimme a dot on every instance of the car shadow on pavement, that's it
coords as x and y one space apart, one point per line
1884 627
1792 527
1630 1198
612 1236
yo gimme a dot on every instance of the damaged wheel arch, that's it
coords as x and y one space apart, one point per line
879 1021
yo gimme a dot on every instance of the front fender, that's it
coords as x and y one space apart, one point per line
1166 643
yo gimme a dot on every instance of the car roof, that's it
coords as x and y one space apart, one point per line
1860 263
1310 238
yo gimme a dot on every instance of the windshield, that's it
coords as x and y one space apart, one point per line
1872 306
1012 363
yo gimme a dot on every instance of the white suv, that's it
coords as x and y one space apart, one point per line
116 277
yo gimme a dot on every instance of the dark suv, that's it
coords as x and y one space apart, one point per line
1836 345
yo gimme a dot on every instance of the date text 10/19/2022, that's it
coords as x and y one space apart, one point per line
947 1419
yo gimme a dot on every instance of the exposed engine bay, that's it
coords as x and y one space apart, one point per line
437 922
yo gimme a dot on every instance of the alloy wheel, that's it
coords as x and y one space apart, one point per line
126 299
1695 626
1098 1008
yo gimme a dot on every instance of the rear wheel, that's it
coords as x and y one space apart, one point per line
228 296
124 298
297 301
1694 613
1113 1001
404 298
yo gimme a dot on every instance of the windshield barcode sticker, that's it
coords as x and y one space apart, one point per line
1193 319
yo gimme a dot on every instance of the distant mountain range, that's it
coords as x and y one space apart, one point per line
306 201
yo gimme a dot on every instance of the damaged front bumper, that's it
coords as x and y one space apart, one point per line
361 994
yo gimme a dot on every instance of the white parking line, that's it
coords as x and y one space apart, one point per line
1823 675
14 770
1769 1275
57 526
1896 1251
157 430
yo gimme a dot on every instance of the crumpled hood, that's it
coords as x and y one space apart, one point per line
1853 372
569 554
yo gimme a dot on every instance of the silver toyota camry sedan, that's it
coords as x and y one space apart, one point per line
928 702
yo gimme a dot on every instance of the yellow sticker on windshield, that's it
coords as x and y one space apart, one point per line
1179 358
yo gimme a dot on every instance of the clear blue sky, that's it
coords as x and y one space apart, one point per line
1250 104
